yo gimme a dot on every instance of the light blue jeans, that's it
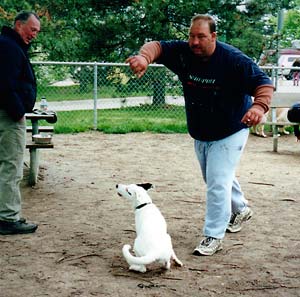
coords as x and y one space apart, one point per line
218 161
12 148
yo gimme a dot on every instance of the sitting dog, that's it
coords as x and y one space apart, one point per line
152 242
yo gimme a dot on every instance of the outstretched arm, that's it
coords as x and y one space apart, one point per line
149 52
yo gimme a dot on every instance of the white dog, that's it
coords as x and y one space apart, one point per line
152 242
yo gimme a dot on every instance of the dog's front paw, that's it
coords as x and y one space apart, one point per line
139 268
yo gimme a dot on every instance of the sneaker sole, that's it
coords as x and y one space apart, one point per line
196 252
230 230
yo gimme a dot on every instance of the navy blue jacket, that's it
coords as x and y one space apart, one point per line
218 92
17 79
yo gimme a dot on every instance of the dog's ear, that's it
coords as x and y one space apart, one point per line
146 186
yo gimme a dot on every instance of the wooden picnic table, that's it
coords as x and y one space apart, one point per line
34 147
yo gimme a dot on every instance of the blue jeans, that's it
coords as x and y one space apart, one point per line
12 148
218 161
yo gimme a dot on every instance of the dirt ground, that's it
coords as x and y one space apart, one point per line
83 224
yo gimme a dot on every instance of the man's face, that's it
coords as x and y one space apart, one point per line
28 30
201 41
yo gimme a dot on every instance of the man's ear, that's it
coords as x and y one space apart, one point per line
17 25
146 186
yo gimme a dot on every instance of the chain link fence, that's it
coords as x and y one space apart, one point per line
108 97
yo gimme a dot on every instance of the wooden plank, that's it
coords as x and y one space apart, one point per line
39 116
41 129
32 145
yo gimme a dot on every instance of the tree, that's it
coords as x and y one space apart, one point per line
291 29
91 30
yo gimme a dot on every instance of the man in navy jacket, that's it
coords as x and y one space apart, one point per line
218 82
17 96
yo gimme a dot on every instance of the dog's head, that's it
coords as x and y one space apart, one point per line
136 193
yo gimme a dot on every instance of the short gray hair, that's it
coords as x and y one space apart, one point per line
23 16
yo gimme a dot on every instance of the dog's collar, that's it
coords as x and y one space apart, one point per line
142 205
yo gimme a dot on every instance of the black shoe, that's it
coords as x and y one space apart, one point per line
19 227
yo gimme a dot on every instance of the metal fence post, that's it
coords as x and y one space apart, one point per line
159 87
95 96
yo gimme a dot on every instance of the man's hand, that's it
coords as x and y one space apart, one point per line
253 116
138 65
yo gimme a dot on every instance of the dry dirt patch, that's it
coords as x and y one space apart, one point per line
83 223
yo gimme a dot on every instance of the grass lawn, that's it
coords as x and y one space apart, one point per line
154 118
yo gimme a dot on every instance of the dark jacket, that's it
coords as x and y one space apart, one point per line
217 92
17 79
294 117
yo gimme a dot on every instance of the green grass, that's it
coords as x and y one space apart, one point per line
151 118
157 119
53 93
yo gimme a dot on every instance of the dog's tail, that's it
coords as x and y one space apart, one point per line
144 260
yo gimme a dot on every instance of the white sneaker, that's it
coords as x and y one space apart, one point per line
208 246
235 224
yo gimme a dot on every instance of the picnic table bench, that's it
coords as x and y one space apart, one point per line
34 147
280 100
49 129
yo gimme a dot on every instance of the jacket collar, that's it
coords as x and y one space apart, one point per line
12 34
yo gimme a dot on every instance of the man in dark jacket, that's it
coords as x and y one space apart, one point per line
218 82
17 96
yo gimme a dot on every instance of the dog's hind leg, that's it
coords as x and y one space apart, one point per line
168 265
